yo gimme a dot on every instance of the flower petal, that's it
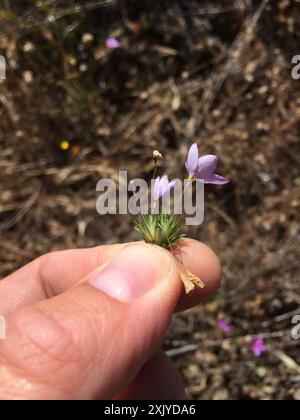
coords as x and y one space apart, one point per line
163 188
155 190
192 161
216 179
207 166
172 184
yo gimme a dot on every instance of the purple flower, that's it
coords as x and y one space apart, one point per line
224 326
203 168
112 43
258 347
162 187
193 161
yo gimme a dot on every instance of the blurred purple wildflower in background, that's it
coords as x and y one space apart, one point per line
203 168
224 326
162 187
112 43
258 346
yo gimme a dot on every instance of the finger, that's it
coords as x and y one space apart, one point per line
51 275
54 273
93 339
157 380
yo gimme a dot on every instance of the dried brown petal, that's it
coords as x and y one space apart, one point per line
190 281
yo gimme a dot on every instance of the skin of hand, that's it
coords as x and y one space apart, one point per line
88 324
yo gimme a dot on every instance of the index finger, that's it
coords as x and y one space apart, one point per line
54 273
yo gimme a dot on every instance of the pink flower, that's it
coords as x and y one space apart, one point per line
258 346
203 168
112 43
225 326
162 187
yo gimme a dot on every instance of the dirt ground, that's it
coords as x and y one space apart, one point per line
216 72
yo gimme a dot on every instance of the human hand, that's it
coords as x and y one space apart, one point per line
88 324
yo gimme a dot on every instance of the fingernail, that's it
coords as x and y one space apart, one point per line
132 273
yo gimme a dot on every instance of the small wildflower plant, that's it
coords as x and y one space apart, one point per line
112 43
258 347
166 230
225 326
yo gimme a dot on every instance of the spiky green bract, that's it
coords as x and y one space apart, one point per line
164 230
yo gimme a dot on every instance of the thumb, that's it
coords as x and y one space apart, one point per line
92 340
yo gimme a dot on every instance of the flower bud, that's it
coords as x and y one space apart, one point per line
157 156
